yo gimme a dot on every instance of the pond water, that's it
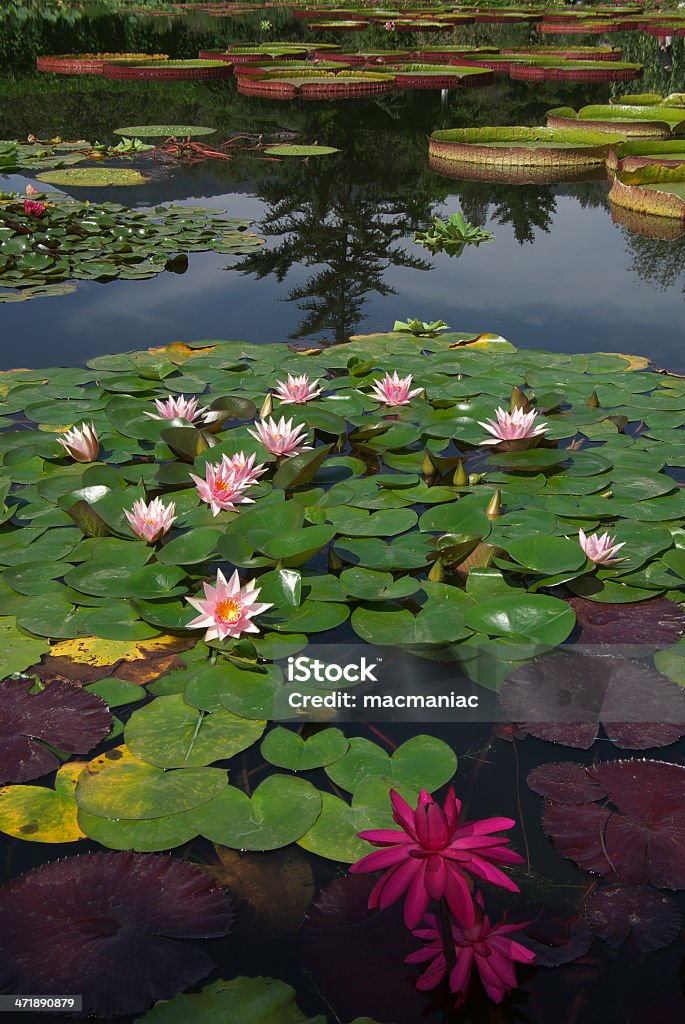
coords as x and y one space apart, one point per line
340 257
562 274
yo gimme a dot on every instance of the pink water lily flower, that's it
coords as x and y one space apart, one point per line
81 443
33 208
601 550
296 390
227 609
514 431
281 438
485 946
221 488
432 855
389 26
177 407
243 468
150 522
394 391
31 191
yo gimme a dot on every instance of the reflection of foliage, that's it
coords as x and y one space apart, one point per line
525 207
349 232
661 263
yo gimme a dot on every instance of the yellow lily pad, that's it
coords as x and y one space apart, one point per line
92 650
41 815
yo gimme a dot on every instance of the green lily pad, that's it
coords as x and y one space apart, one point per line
287 749
286 149
93 177
422 761
169 733
544 620
152 131
278 813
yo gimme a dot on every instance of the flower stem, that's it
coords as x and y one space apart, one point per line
447 940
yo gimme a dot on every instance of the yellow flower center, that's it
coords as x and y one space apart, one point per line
228 610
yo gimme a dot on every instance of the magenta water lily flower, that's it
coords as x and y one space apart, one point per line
432 855
485 946
150 522
281 438
81 443
33 208
227 609
601 550
394 391
221 488
177 407
514 431
296 390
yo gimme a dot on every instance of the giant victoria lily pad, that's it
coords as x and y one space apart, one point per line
118 916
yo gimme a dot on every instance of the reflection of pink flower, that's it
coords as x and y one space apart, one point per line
480 944
176 407
221 488
31 191
394 391
296 390
83 445
227 609
34 209
150 522
243 468
515 430
281 438
431 856
601 550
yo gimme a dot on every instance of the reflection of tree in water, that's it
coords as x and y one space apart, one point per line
658 262
525 207
344 216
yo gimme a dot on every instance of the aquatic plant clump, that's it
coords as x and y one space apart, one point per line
72 240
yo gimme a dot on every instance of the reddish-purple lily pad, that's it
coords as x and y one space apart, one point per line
103 926
344 940
62 715
564 783
566 696
621 910
656 623
637 835
554 939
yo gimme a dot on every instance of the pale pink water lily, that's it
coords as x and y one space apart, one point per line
177 407
33 208
221 488
514 431
393 390
31 191
601 550
485 946
296 390
389 26
227 609
151 521
281 438
81 443
432 855
243 467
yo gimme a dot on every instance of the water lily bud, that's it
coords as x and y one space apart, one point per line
460 478
428 467
437 572
593 400
519 400
475 478
267 407
335 562
494 507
